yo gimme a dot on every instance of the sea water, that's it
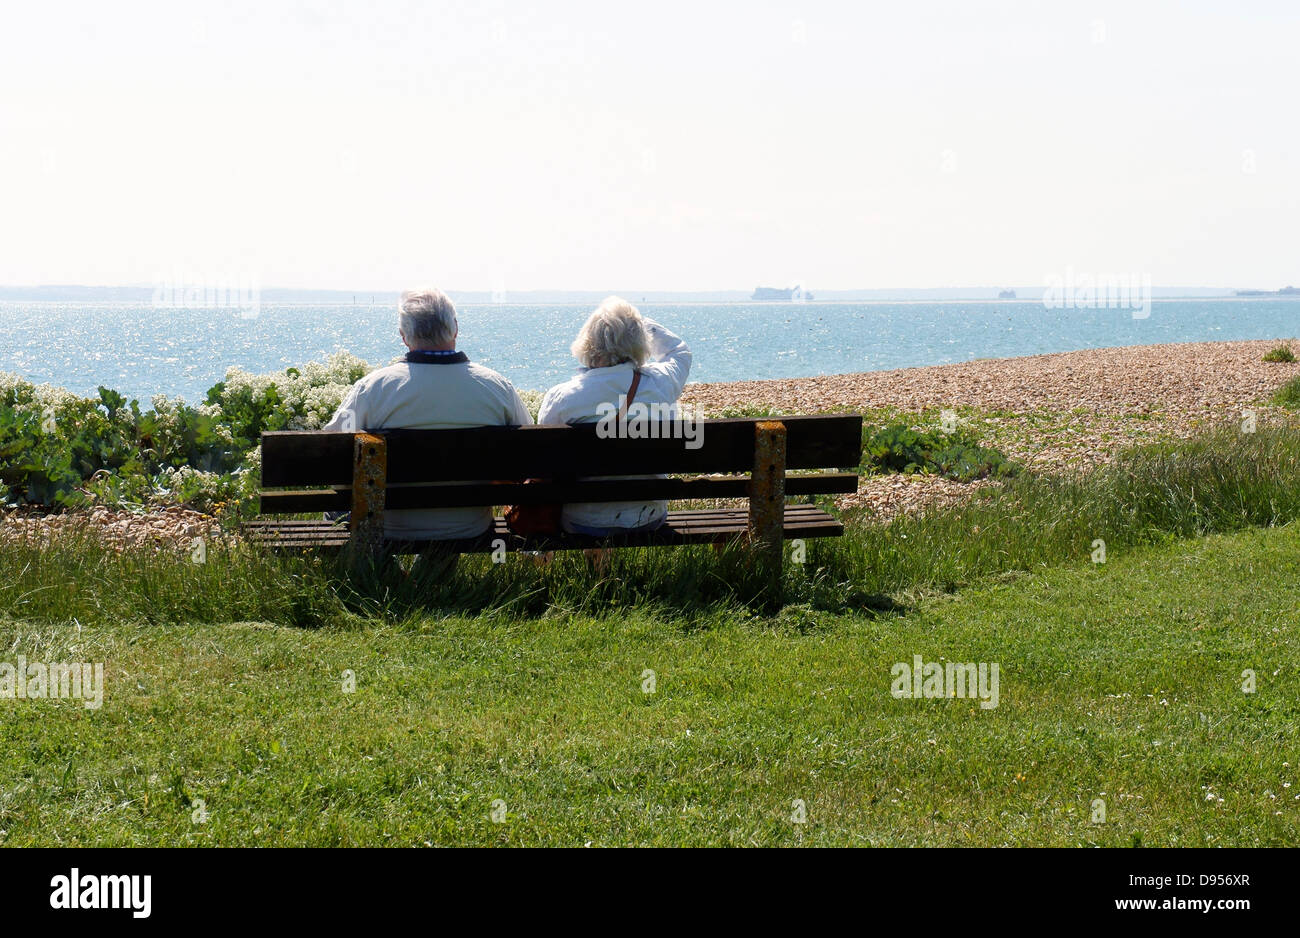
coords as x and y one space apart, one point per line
141 351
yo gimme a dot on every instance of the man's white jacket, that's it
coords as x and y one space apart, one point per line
442 395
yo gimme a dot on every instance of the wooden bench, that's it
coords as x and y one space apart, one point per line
367 473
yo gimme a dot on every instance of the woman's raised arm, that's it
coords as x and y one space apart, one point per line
670 357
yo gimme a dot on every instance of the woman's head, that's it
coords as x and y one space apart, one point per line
613 334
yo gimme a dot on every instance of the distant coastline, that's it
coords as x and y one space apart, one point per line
141 294
1285 291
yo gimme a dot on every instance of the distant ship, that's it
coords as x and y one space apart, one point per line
1285 291
795 294
1007 295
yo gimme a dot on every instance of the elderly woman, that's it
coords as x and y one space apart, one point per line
616 347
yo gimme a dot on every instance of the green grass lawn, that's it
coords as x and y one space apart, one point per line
1120 682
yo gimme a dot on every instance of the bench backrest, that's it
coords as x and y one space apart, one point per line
405 462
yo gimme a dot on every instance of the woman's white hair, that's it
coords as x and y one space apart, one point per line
427 318
613 334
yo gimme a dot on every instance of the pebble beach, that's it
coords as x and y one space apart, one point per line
1185 382
1049 412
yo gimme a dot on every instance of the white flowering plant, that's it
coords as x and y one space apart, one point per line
59 449
532 400
248 404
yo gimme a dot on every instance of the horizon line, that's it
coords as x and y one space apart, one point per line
605 291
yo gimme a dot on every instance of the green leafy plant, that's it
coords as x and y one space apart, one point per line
957 455
1281 353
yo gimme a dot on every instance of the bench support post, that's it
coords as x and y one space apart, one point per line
369 480
767 503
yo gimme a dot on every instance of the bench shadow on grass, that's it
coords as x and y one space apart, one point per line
685 582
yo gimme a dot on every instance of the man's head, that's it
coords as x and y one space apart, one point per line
427 320
613 334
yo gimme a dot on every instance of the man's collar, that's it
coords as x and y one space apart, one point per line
436 357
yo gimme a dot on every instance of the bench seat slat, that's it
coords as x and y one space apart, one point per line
686 517
709 526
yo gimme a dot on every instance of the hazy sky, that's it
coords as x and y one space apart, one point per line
664 145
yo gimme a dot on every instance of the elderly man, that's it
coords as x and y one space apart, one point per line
435 387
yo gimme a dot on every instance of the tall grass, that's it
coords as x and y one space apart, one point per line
1288 395
1216 483
76 577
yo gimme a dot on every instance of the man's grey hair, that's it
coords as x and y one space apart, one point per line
613 334
427 318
